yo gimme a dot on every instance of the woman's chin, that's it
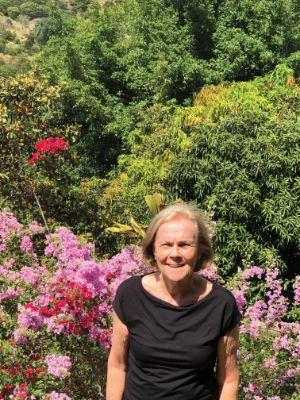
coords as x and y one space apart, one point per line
176 274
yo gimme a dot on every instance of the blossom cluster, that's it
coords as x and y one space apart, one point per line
58 366
65 292
8 226
50 145
265 327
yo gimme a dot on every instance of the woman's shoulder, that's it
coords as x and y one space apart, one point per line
129 284
223 292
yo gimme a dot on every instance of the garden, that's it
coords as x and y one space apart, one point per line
122 108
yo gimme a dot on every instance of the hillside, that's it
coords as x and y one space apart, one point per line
18 20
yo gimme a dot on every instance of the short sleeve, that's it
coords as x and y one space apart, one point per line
118 303
231 316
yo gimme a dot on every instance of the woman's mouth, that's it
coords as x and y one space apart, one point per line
175 265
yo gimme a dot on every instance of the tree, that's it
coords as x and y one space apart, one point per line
119 60
251 37
244 167
56 24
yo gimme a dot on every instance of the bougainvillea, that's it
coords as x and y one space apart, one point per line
50 145
55 318
270 340
64 294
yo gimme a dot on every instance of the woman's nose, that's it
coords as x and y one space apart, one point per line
175 251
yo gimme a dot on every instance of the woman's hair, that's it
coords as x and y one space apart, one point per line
189 212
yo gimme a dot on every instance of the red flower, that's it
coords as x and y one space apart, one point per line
109 276
7 388
50 145
22 395
23 386
46 312
15 370
35 357
31 306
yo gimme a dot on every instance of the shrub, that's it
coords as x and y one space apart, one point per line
4 4
242 164
33 10
8 35
55 313
7 71
13 49
269 343
13 12
55 299
2 44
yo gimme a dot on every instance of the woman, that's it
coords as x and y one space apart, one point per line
171 327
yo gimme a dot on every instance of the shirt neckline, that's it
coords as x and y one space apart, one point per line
170 305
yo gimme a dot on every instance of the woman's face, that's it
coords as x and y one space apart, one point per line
175 248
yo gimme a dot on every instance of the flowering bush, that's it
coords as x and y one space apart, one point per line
55 312
55 318
270 340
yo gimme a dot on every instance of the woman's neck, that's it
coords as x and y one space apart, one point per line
180 293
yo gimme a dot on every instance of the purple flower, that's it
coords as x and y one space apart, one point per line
297 291
8 226
65 246
210 272
10 292
252 272
240 297
270 362
26 244
58 366
53 326
35 228
21 336
58 396
277 303
257 311
32 275
29 318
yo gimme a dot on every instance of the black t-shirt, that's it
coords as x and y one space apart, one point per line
173 349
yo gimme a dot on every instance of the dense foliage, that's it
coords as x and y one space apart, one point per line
236 153
245 169
127 55
130 98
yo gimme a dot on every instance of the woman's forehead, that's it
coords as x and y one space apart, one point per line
179 227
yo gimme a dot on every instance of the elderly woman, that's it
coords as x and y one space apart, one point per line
172 327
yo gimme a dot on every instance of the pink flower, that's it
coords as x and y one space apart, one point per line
29 317
10 292
210 273
297 291
35 228
21 336
8 226
58 366
270 362
239 298
59 396
26 244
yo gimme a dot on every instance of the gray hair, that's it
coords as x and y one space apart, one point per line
204 245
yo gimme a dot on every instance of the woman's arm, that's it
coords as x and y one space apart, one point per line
227 370
117 361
